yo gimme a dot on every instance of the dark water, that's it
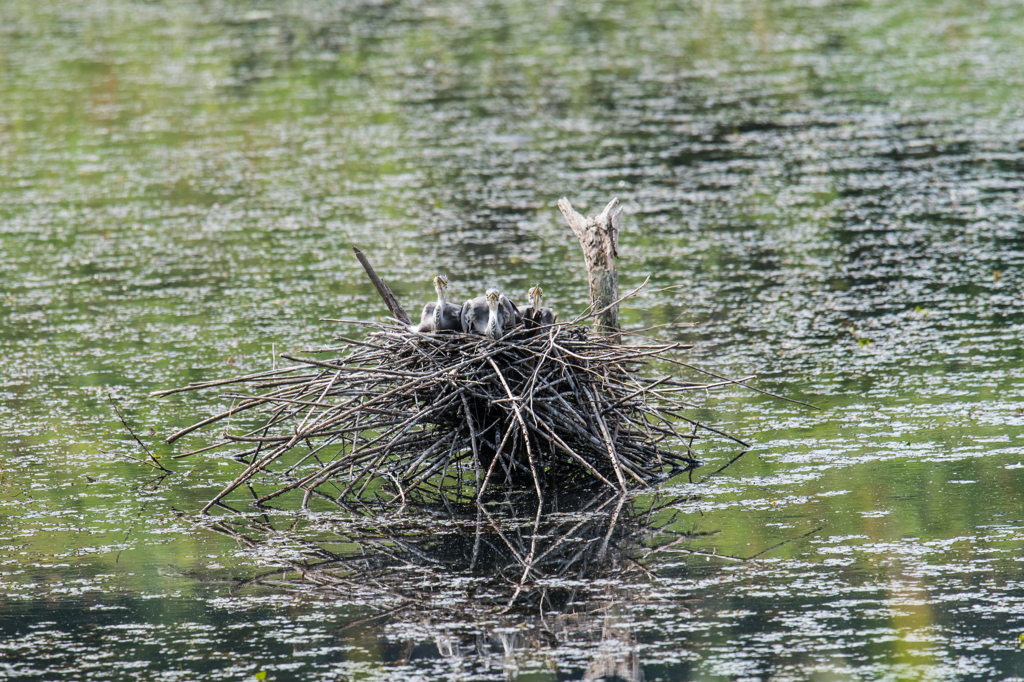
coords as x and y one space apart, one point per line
835 187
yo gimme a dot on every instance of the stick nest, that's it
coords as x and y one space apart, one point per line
455 415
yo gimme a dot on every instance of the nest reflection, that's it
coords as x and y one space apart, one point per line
512 553
512 574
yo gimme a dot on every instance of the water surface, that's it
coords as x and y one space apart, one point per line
835 188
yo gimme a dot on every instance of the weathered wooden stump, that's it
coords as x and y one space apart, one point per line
599 239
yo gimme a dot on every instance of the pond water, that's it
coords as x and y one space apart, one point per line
835 188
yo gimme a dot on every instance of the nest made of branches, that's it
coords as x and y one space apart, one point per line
451 414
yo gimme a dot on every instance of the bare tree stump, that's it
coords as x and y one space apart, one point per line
599 238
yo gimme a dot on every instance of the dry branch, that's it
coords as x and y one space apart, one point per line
383 289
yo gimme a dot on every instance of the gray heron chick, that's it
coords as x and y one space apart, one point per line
534 311
439 315
489 315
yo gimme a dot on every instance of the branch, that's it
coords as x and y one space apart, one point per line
156 462
382 288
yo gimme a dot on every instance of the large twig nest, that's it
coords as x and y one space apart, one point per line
456 414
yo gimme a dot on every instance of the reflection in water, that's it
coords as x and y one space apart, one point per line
538 574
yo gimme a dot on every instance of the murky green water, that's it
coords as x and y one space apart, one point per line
837 186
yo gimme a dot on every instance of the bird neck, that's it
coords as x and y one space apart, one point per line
492 322
439 309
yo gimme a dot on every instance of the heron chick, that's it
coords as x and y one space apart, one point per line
439 315
489 315
537 313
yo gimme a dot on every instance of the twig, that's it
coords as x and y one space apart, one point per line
156 463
